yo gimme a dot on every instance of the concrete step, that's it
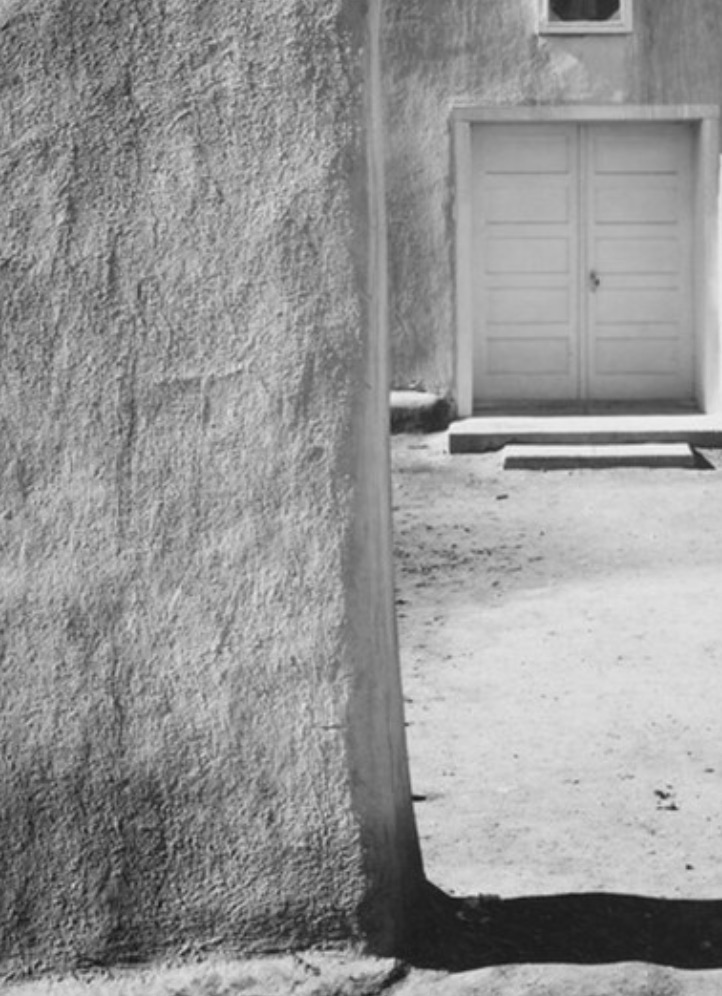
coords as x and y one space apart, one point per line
551 457
485 433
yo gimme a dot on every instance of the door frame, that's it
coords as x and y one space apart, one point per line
705 224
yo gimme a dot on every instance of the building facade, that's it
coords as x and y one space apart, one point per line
553 188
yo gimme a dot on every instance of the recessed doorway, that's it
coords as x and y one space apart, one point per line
585 252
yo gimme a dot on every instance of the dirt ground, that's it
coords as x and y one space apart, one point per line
561 643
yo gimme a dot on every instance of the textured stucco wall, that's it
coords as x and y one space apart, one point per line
201 741
483 52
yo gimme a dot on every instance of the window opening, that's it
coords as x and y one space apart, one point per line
585 16
584 10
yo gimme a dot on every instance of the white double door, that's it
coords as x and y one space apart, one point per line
582 263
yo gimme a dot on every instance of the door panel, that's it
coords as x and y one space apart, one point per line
639 322
634 200
514 202
526 248
536 306
514 151
624 152
637 255
527 255
513 357
644 357
582 248
641 306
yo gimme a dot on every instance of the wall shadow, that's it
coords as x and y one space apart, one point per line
460 934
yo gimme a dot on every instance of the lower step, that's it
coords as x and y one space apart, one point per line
524 457
483 434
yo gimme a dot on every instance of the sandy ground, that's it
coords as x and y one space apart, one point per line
561 642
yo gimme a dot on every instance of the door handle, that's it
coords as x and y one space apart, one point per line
594 280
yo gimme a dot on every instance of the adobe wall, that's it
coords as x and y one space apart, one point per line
436 55
201 740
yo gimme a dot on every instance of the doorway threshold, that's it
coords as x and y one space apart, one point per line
485 433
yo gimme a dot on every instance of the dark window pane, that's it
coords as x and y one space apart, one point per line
584 10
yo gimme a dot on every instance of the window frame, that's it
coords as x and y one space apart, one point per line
622 25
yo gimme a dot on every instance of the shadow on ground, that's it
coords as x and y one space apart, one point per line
460 934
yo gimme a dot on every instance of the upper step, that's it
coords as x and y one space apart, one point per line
484 433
